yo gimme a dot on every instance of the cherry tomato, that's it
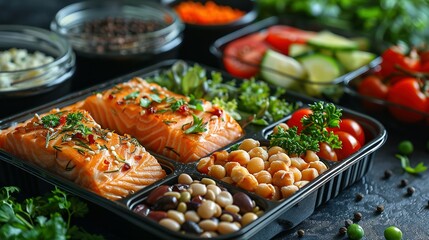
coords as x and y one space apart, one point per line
350 145
281 37
243 56
326 152
352 127
394 57
296 117
407 93
372 86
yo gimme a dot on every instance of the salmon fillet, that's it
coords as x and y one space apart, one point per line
166 123
72 144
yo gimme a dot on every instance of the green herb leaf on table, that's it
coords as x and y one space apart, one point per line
405 163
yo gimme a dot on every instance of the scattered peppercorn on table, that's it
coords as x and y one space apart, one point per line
386 196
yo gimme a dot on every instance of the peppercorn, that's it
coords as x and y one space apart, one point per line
301 233
380 208
357 216
410 191
342 231
358 197
404 182
387 174
347 223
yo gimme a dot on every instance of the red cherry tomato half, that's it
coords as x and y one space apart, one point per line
350 145
281 37
296 117
407 93
243 56
326 152
352 127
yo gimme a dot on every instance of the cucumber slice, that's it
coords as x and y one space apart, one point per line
297 49
281 70
353 60
332 41
321 69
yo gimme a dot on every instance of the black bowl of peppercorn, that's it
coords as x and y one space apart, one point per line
121 36
207 20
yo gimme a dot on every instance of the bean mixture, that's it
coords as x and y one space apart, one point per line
269 172
199 207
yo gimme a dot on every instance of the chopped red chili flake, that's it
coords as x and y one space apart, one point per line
63 120
217 112
183 109
110 96
151 110
137 157
106 162
78 135
120 102
125 167
91 139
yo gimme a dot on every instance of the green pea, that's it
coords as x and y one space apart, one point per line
392 233
355 232
406 147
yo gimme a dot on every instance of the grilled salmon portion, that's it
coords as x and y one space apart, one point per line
72 144
175 126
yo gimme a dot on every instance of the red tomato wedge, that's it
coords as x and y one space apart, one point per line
281 37
243 56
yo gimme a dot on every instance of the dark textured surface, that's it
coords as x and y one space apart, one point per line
409 213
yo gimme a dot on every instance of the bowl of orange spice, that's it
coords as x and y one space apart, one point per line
207 20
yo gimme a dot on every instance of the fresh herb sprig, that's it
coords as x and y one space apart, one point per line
197 126
405 163
41 217
314 130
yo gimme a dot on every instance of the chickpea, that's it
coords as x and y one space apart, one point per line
319 165
204 164
309 174
265 190
263 176
238 173
277 194
217 171
227 180
301 183
275 149
283 178
280 157
266 165
276 166
248 183
239 156
296 173
299 163
310 156
248 144
220 157
229 166
259 152
288 191
281 125
255 165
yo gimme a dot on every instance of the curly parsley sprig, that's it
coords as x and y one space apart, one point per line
314 130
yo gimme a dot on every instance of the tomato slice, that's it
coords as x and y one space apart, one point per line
242 57
296 117
349 144
281 37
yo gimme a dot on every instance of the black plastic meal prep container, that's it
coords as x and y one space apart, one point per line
278 215
218 47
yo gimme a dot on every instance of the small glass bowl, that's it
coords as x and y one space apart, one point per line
78 22
35 80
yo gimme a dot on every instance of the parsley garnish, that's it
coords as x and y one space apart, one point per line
197 126
314 131
196 104
176 105
145 102
51 120
74 118
405 163
155 98
132 95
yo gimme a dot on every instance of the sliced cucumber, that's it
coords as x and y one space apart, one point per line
297 49
353 60
321 69
281 70
332 41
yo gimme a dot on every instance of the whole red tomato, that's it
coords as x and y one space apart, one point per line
349 144
395 57
373 86
326 152
407 93
352 127
296 117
